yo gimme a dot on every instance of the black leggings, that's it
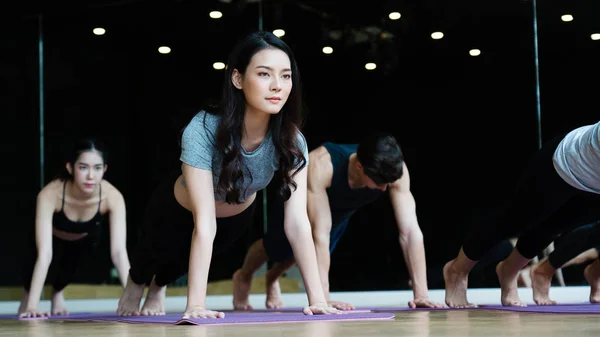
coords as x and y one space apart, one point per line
574 243
541 207
163 251
67 257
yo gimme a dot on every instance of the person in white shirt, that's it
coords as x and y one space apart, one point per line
558 191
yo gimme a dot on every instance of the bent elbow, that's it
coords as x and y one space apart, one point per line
413 235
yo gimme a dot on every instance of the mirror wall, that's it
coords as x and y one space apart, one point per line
468 109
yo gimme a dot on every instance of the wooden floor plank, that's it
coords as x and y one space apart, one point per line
460 323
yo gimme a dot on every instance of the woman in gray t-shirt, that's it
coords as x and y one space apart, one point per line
227 156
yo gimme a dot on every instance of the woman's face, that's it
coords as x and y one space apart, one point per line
267 82
88 171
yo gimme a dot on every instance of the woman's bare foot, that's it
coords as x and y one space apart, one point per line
524 280
541 280
154 305
592 275
129 303
508 284
58 306
456 283
274 300
241 290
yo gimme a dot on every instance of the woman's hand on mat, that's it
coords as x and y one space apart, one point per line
341 305
424 303
30 313
321 309
200 312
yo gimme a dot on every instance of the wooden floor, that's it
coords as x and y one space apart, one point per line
448 323
415 324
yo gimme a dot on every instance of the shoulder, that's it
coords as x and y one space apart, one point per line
209 117
300 137
320 167
403 183
320 155
342 149
51 191
203 121
111 194
301 141
200 132
49 197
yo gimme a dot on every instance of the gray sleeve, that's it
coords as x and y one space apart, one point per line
303 145
197 142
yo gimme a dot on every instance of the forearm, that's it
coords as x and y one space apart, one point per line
414 256
38 278
121 263
304 253
323 261
200 257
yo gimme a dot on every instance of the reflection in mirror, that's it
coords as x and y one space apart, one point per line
468 97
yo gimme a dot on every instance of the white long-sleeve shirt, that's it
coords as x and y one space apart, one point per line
577 158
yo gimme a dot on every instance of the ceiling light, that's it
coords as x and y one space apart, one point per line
437 35
567 17
394 15
474 52
215 14
164 50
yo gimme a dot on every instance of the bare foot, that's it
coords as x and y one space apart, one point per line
129 303
241 290
154 305
524 280
541 279
508 285
23 305
456 287
274 300
592 275
58 303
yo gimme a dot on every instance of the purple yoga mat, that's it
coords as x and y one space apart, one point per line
234 318
91 316
8 316
14 316
59 317
394 309
298 309
569 308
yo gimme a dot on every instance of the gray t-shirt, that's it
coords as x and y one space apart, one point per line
198 149
577 158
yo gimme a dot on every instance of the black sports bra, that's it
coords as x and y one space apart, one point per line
62 223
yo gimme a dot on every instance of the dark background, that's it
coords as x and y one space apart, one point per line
467 125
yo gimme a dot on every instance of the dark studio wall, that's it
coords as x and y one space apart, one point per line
467 125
